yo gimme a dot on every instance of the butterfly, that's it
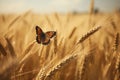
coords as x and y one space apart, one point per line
44 38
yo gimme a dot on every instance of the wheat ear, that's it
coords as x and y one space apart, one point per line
60 65
89 33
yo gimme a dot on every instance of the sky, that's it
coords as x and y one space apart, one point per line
46 6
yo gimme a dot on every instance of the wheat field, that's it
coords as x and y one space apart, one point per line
86 46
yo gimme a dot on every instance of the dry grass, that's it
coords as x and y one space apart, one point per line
79 51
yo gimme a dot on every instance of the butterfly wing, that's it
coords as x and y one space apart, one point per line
38 39
50 34
39 31
39 34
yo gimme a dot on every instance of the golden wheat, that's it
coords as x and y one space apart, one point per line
21 58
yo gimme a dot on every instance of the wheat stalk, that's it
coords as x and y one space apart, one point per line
91 12
89 33
55 44
113 25
60 65
82 68
91 7
27 50
3 46
117 66
2 50
11 49
24 73
116 42
72 32
117 56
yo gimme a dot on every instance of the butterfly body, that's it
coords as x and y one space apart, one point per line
44 38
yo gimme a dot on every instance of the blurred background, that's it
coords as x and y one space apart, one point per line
71 19
62 6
